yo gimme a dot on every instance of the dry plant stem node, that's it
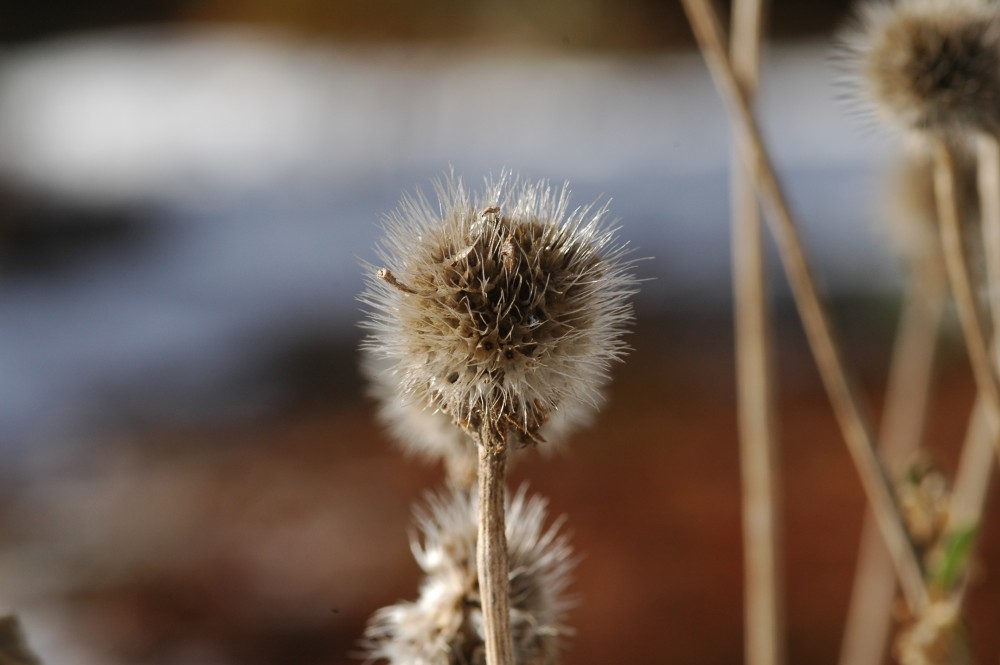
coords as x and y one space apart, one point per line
847 406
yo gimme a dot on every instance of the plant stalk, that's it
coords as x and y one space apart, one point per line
763 588
972 481
988 181
853 419
975 466
974 325
491 549
869 617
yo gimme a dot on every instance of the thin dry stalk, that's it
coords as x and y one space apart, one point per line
491 550
912 366
866 636
853 419
974 326
976 467
988 174
869 619
763 587
972 481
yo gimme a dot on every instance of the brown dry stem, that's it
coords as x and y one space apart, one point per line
763 606
974 325
866 636
854 420
972 481
976 467
491 548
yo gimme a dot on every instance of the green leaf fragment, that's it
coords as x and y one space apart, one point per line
957 549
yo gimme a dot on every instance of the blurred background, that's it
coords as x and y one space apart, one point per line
191 472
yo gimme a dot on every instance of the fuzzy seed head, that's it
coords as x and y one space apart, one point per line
423 432
444 626
932 65
499 309
431 435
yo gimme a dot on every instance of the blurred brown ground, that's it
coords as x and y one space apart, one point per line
273 543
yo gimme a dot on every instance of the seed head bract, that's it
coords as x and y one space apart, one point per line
500 308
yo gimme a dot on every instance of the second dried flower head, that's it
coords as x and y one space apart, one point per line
445 625
499 310
931 65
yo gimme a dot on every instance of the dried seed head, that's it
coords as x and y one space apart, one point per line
500 309
423 431
444 626
931 65
430 434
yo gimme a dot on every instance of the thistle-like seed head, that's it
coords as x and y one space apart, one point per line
444 626
499 309
430 434
932 65
423 432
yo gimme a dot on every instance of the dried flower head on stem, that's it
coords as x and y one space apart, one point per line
931 65
498 310
501 308
934 67
444 626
